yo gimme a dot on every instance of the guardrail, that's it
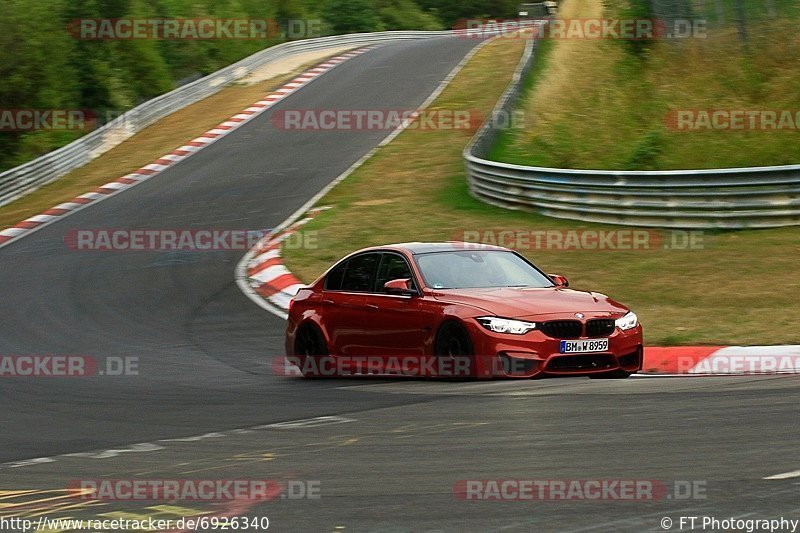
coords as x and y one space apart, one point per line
732 198
25 178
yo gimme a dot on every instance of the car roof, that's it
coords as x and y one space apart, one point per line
416 248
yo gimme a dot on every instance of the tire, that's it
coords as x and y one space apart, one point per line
311 344
454 342
614 374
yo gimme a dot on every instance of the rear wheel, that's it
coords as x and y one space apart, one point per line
614 374
310 346
453 343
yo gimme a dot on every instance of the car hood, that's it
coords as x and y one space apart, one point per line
513 302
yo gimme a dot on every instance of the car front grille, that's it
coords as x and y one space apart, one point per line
600 327
562 329
578 363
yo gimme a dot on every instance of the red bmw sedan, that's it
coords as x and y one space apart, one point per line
456 310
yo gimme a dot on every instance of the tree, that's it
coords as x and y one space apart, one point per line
351 16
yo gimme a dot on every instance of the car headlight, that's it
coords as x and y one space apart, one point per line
629 321
506 325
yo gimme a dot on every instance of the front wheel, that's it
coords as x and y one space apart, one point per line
311 347
454 350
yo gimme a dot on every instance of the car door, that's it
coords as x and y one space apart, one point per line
343 300
396 326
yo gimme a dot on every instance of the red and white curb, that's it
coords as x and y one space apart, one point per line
722 360
164 162
265 272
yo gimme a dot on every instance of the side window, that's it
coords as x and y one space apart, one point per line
360 273
333 281
392 267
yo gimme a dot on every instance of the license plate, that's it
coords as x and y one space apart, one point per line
584 346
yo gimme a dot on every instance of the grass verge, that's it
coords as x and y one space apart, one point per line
736 289
599 105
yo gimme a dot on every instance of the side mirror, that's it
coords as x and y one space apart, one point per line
560 281
401 286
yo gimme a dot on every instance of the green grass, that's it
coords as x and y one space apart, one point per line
505 138
597 104
739 289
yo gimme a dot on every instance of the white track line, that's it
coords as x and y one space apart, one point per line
144 447
785 475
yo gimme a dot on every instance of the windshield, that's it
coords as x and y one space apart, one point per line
478 269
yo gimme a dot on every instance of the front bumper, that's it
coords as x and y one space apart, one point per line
537 355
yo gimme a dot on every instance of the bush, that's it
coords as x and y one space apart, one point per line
352 16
